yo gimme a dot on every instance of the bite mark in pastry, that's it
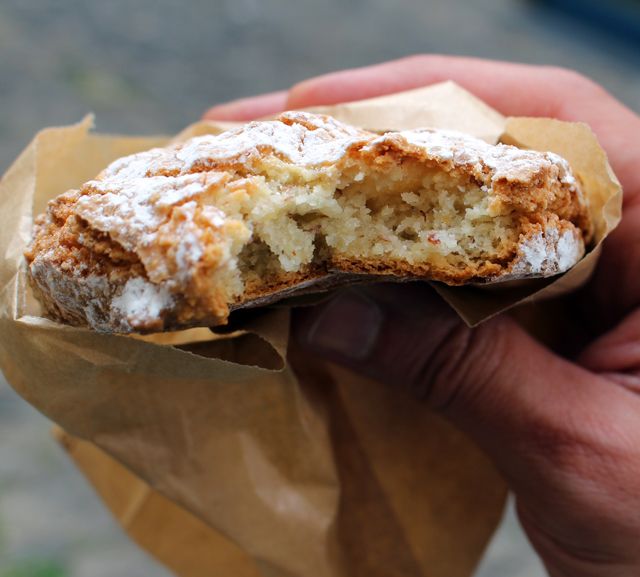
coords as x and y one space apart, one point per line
177 237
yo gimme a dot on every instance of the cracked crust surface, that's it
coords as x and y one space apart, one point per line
177 237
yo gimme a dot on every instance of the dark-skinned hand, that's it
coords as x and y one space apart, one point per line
565 433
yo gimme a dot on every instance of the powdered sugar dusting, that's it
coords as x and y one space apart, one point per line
569 251
141 302
566 176
534 254
318 141
504 161
547 253
189 250
445 142
127 210
137 165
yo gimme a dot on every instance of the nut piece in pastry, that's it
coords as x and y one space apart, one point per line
177 237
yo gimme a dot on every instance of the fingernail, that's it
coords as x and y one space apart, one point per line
349 326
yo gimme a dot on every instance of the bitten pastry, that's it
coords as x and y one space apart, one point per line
177 237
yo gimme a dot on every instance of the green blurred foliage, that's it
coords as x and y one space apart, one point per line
35 569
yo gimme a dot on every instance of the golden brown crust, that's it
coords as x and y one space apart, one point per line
152 243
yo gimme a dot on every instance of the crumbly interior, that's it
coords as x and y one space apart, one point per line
413 213
177 237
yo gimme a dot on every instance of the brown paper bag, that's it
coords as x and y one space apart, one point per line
177 538
303 467
390 519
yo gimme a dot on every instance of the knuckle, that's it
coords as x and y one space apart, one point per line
588 447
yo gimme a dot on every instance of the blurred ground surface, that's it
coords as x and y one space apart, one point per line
153 66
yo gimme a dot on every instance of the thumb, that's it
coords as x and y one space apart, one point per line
408 338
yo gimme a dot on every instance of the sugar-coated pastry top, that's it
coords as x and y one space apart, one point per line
174 237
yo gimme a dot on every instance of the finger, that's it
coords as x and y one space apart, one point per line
614 288
513 89
249 108
617 353
545 422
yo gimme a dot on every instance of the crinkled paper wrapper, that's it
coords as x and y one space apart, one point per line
223 457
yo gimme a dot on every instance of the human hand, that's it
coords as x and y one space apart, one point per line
565 434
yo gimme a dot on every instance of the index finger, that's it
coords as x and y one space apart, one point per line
513 89
249 108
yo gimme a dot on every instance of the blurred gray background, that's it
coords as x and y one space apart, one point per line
154 66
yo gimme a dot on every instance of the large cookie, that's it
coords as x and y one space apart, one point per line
177 237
